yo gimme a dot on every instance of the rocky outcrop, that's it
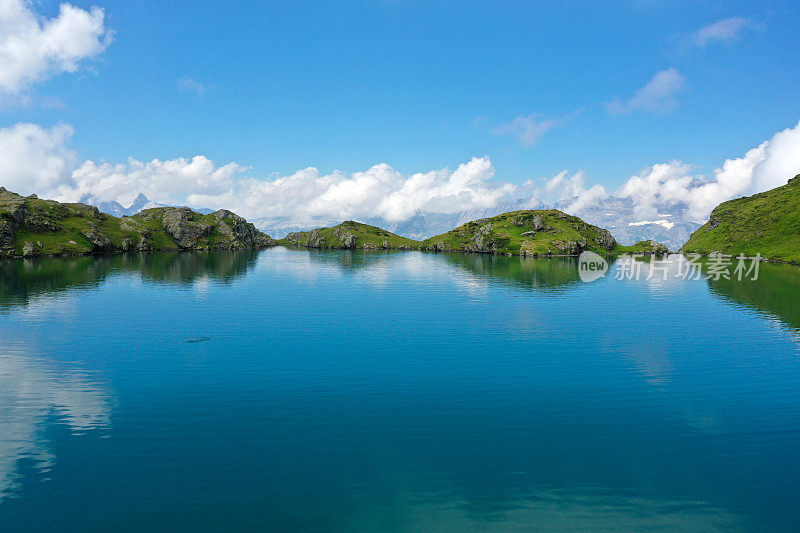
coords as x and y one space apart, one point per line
350 235
658 248
525 233
53 228
180 223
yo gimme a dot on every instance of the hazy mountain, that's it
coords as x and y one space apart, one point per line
670 225
141 202
419 227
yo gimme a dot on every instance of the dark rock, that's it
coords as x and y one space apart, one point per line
100 242
605 239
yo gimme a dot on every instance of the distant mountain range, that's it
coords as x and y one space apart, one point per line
671 226
116 209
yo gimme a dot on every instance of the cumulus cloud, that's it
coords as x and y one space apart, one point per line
527 130
36 160
568 191
170 180
40 161
379 191
725 31
34 49
674 184
762 168
658 96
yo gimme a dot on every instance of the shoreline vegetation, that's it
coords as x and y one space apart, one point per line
767 223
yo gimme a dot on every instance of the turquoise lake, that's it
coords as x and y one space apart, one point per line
294 390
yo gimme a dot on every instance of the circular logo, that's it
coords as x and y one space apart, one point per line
591 267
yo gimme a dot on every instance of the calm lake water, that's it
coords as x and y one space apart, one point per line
292 390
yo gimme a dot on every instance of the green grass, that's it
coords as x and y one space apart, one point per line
70 229
642 247
350 234
767 223
55 228
530 232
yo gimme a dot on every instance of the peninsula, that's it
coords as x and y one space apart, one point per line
766 223
32 227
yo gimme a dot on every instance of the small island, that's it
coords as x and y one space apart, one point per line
527 233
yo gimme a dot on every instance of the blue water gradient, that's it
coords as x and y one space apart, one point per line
292 390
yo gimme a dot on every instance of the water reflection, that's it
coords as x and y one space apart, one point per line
377 400
556 274
774 294
587 509
34 395
550 274
22 280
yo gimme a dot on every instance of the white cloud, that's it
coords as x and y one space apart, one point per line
379 191
36 160
34 49
40 161
657 96
192 86
725 31
666 185
527 130
762 168
570 191
170 180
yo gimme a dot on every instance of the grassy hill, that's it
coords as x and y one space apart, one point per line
533 233
30 227
350 235
767 223
526 233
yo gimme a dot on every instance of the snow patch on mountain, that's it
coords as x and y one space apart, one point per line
663 222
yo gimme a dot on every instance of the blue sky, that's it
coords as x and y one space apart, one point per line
280 86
